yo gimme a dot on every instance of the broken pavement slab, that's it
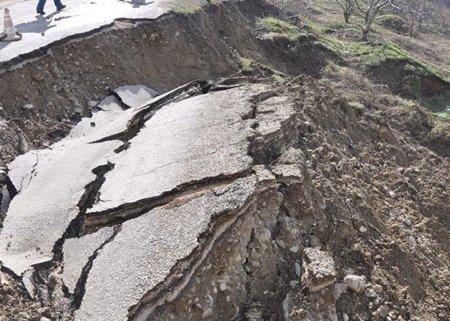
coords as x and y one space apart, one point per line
109 110
77 253
184 176
40 214
183 142
135 96
198 138
151 248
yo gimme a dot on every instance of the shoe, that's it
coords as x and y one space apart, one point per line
41 12
62 7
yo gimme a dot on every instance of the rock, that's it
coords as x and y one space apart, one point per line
45 312
223 287
92 104
3 176
345 317
378 288
370 293
78 110
382 311
319 269
28 106
23 316
44 319
262 235
338 290
298 269
355 283
407 222
53 279
207 313
357 248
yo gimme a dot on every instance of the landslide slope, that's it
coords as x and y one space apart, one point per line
288 186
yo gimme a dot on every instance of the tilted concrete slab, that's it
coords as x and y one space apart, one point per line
40 214
79 17
147 248
135 96
197 138
109 111
78 251
21 169
273 113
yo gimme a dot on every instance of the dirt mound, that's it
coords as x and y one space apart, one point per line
414 82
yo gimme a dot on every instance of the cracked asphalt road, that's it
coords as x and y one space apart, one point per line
182 180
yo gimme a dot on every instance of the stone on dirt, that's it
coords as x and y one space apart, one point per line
319 269
355 282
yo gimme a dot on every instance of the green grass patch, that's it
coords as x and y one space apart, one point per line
393 22
279 28
278 79
441 127
246 64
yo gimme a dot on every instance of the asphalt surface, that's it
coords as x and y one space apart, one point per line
80 16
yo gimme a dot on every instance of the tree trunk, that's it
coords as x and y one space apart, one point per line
365 30
411 29
347 17
366 27
364 34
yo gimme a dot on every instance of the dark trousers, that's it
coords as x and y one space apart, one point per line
41 4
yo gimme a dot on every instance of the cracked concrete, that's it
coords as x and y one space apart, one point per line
78 251
40 214
135 96
199 137
156 242
184 177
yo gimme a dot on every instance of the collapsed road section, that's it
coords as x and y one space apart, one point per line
184 178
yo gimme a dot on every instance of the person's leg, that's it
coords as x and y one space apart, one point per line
59 4
40 6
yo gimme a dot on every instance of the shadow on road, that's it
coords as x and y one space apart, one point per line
40 25
137 5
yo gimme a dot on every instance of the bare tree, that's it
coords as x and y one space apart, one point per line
442 17
416 11
347 8
368 10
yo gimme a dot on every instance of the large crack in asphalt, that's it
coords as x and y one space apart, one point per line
86 201
182 272
118 215
138 120
90 222
81 284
